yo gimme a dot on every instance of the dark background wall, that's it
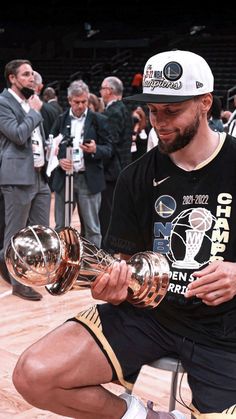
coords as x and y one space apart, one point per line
93 39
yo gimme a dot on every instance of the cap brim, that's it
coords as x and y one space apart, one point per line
150 98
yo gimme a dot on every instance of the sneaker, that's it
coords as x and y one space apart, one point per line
175 414
135 407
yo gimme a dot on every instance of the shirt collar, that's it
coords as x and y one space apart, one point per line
76 117
18 98
110 103
24 103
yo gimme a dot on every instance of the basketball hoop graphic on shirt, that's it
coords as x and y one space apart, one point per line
200 220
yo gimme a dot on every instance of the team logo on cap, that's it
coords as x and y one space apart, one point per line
172 71
163 79
149 72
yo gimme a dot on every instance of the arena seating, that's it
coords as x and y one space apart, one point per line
99 59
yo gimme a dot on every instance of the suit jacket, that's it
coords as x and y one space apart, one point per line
96 127
56 105
49 114
16 155
121 124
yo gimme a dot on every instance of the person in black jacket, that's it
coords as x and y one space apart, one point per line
48 111
121 123
49 96
91 144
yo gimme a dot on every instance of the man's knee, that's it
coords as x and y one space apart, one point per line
30 378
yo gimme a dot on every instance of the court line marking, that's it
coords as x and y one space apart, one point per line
5 294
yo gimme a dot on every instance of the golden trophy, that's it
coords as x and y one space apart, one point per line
39 256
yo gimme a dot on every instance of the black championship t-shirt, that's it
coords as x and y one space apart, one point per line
190 217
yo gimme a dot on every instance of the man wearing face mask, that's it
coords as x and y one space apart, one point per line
22 159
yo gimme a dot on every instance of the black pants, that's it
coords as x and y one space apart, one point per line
105 212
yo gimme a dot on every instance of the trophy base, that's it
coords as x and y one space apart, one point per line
150 279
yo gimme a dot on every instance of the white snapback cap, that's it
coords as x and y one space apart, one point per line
174 76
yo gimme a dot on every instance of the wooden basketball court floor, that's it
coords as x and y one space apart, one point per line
23 322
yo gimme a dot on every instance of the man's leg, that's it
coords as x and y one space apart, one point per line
105 211
211 376
63 373
2 219
59 210
40 206
89 205
3 269
18 201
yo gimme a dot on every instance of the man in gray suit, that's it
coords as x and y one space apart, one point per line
22 159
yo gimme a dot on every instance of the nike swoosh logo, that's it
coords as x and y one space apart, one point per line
156 183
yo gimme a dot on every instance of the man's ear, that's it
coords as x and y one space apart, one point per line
11 78
207 100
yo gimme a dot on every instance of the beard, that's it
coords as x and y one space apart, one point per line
181 140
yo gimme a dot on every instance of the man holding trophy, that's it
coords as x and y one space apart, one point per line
176 201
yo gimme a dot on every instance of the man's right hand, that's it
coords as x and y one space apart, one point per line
66 164
113 286
35 102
